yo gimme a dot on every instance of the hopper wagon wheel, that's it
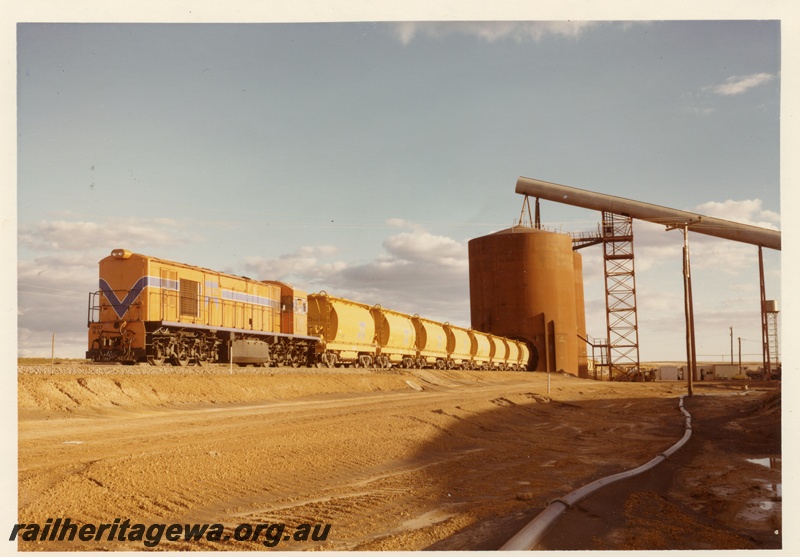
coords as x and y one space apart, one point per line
364 361
329 359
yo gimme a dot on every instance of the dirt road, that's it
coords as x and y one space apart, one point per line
390 460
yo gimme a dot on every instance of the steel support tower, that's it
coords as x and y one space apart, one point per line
621 316
774 357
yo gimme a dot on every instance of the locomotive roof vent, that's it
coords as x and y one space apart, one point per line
121 253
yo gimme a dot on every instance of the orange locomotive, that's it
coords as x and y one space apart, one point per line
152 310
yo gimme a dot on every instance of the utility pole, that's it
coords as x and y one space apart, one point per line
731 345
740 355
691 354
691 357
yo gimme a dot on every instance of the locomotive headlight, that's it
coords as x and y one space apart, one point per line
120 253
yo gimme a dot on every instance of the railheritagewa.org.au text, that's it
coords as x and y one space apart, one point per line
151 535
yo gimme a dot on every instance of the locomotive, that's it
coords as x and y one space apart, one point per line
152 310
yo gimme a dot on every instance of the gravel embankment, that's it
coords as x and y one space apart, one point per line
214 369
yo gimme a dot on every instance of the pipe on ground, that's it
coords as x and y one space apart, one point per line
534 531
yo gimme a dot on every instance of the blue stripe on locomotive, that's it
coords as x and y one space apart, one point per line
121 307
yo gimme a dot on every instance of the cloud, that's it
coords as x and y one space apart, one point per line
422 247
748 211
57 269
492 31
418 272
64 235
703 111
53 293
725 282
303 265
736 85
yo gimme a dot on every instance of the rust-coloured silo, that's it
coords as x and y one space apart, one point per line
527 283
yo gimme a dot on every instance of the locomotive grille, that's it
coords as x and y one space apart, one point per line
190 291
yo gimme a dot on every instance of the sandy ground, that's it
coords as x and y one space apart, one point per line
411 460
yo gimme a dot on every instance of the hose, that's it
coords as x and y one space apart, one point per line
534 531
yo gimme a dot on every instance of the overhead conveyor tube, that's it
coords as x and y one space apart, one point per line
702 224
534 531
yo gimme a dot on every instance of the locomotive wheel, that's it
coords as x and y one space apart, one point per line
181 352
157 357
181 357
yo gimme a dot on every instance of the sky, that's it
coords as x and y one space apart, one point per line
360 157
